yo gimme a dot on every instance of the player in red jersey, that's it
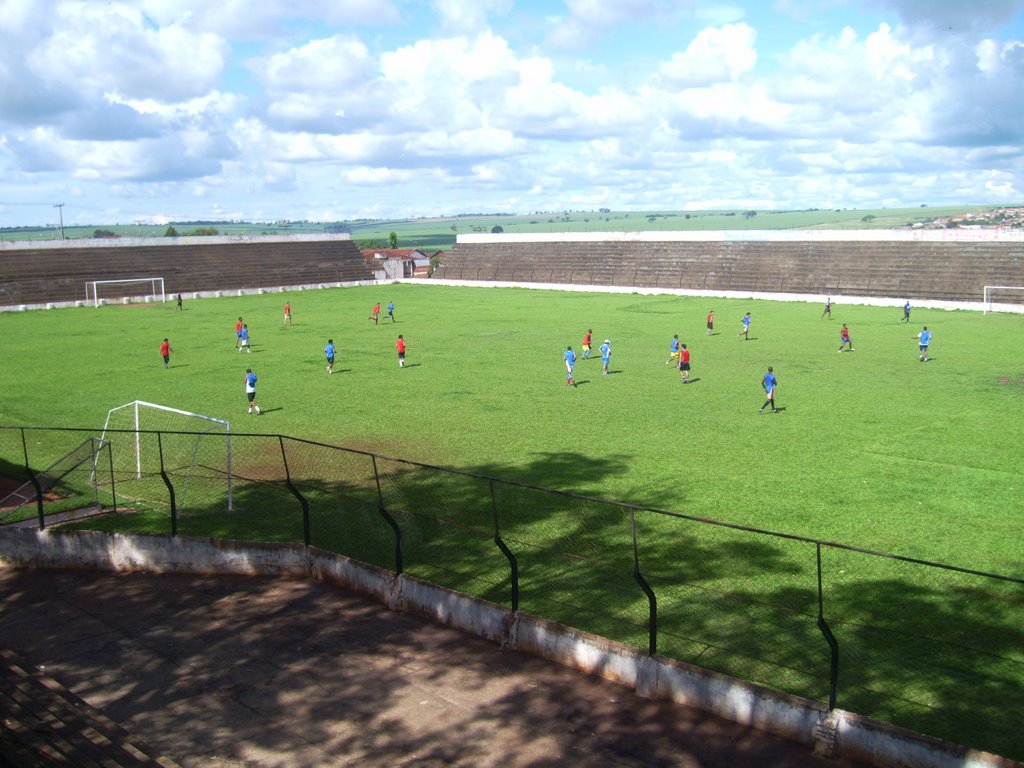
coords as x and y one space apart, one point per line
165 352
684 363
844 339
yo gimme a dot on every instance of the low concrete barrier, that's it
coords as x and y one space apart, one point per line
894 303
835 733
201 295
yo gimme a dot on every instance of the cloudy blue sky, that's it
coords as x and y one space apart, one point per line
157 110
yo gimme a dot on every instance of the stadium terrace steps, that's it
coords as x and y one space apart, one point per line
37 276
43 723
953 271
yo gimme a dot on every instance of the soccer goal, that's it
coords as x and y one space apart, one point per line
1000 298
193 450
150 286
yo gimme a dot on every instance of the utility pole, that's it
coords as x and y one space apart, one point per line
60 207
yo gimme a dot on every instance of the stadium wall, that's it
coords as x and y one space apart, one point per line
54 273
836 733
871 301
921 265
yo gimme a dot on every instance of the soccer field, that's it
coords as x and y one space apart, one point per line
871 448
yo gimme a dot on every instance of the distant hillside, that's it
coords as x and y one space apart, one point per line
439 233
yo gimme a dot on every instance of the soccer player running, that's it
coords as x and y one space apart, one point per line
711 321
844 339
769 382
745 333
673 350
570 364
329 354
238 333
375 313
391 311
250 391
828 309
684 363
400 348
586 343
923 338
165 352
606 356
243 338
906 312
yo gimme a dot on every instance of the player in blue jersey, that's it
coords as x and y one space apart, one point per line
250 390
570 364
745 333
673 349
923 338
606 356
243 339
769 382
329 353
391 312
906 312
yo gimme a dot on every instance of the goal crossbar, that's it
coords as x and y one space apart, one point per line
156 287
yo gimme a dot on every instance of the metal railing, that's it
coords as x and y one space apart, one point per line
934 647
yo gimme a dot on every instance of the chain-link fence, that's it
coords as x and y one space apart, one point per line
923 645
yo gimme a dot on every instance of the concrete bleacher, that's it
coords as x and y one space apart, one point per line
886 265
42 723
39 273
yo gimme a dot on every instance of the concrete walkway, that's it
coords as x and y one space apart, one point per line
220 671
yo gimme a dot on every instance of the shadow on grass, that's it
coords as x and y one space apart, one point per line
924 648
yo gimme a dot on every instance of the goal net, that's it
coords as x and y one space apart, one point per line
193 450
145 288
1003 298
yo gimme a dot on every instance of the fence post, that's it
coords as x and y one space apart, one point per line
512 562
388 518
113 490
833 645
167 482
652 601
35 482
306 536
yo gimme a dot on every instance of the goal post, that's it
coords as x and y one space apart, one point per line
93 288
998 298
148 438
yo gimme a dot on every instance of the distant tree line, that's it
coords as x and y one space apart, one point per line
197 232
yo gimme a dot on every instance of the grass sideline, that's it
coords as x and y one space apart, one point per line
872 449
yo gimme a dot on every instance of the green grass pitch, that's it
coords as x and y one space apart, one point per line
872 448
